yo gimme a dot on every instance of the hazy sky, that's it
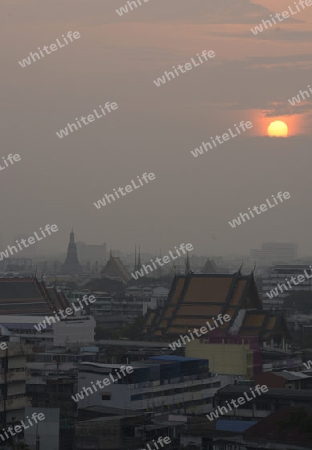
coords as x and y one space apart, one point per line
154 129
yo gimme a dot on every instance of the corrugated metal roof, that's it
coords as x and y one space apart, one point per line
238 426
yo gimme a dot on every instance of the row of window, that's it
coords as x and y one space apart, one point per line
179 406
166 392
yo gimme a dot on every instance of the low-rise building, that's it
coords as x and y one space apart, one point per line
158 384
261 406
71 330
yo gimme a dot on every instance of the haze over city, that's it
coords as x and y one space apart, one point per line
154 129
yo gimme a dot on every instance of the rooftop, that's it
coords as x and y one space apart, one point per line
235 389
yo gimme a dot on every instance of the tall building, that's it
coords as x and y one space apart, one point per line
71 264
276 279
137 260
91 252
275 252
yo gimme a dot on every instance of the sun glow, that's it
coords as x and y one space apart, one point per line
278 129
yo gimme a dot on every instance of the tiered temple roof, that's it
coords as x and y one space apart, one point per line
197 298
116 270
28 296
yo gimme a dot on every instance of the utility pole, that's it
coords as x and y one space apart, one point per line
37 439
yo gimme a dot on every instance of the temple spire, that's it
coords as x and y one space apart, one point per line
139 259
187 265
71 264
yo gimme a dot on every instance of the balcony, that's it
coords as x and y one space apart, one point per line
12 376
15 403
15 349
17 376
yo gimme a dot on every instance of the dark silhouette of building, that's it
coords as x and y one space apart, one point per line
71 264
115 270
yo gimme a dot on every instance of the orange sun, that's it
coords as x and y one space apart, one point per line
278 129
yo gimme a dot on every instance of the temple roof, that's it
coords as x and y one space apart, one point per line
210 267
28 296
115 269
197 298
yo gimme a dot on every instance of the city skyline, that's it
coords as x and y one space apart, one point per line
155 129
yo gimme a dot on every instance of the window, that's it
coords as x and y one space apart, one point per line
106 396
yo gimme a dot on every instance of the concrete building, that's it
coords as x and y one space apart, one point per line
278 276
74 330
231 355
111 433
261 406
158 384
17 265
128 430
68 331
285 379
134 303
13 376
